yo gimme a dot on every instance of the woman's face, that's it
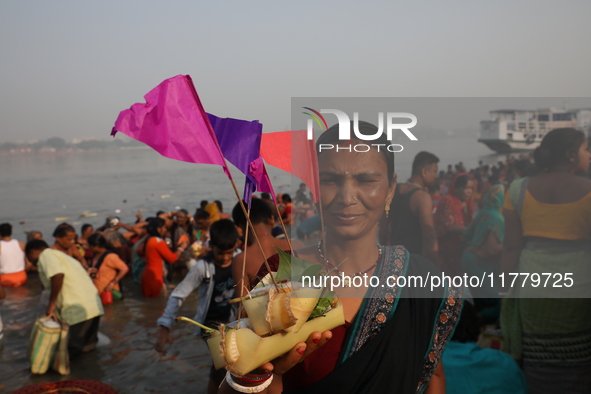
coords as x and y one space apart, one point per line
67 240
465 193
96 250
354 189
162 231
181 219
583 157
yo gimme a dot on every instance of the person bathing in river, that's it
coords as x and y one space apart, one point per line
12 259
73 298
212 276
110 269
65 242
156 251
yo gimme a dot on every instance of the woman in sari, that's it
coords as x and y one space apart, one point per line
454 213
156 251
546 326
484 237
393 338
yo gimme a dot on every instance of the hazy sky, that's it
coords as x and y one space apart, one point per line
69 67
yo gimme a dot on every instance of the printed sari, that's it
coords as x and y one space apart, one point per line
395 342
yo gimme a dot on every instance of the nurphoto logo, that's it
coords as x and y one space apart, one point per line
345 129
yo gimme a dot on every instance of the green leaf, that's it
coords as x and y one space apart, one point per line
313 270
292 268
322 305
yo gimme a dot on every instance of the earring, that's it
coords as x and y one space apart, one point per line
387 208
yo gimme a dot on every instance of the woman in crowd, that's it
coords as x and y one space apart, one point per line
156 250
484 237
110 269
392 340
65 241
86 231
454 213
548 232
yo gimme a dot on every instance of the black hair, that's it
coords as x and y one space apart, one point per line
219 204
35 244
203 204
260 212
85 227
97 239
462 181
556 147
223 234
183 211
201 214
265 196
468 328
331 136
154 225
286 197
422 160
31 235
159 213
524 167
5 230
63 229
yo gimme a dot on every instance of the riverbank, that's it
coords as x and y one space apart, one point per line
128 363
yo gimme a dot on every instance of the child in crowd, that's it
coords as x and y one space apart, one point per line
212 275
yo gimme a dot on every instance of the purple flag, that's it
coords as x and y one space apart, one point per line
174 123
240 142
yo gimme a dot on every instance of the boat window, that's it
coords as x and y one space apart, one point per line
558 117
543 118
509 135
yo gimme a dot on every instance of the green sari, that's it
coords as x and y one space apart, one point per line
488 220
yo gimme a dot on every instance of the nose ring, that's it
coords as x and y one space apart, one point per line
355 199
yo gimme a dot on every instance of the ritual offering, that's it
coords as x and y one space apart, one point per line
281 312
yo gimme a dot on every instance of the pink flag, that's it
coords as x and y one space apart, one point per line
174 123
259 172
291 151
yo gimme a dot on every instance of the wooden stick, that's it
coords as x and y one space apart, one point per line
284 229
243 269
254 233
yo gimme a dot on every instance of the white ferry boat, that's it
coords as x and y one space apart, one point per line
511 130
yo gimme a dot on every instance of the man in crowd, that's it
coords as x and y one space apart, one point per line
410 221
12 259
73 297
212 275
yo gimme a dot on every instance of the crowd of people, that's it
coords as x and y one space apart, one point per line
520 215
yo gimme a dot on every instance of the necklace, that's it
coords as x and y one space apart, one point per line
414 184
347 278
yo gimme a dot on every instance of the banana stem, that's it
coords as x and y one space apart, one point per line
182 318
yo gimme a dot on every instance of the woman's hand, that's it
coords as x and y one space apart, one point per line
110 286
300 351
91 271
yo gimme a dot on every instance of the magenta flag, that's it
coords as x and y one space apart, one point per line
262 182
173 122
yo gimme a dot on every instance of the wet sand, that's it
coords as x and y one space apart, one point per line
129 363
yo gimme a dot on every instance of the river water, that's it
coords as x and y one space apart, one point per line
38 191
